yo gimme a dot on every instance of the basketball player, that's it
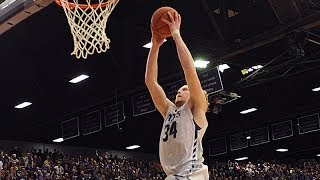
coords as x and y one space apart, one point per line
185 122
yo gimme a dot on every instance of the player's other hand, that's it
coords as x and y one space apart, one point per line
175 21
156 39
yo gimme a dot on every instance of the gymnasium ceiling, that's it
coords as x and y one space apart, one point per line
282 36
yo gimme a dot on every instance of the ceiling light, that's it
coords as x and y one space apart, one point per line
248 111
246 71
79 78
133 147
316 89
58 140
282 150
257 67
201 63
223 67
23 105
318 155
248 137
241 159
149 45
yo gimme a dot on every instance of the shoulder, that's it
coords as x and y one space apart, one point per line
199 115
170 106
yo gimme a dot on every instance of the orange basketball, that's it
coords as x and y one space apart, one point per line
158 25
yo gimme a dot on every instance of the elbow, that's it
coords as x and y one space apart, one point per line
149 82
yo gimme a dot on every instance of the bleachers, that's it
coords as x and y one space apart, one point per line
16 163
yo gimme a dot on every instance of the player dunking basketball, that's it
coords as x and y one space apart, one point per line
185 122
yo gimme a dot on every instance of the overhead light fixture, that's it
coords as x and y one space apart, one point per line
282 150
201 63
223 67
248 70
133 147
248 137
149 45
257 67
318 155
316 89
242 159
23 105
248 111
58 140
79 78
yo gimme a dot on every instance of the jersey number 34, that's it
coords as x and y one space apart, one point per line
170 130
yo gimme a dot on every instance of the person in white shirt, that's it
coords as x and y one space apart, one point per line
58 169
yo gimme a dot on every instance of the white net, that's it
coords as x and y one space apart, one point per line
87 24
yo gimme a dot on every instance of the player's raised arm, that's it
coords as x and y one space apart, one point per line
151 76
197 96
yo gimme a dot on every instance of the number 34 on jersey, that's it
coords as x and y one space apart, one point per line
170 129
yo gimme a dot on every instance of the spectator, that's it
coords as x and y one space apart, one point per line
112 167
58 169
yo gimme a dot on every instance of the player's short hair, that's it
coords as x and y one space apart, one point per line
207 99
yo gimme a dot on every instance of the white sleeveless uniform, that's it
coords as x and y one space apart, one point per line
180 146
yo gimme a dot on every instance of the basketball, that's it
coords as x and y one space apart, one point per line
158 25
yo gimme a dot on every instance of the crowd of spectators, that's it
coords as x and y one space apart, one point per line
17 164
58 165
304 169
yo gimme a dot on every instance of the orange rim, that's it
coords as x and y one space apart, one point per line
85 6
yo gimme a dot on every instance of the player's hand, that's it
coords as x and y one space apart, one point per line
175 21
156 39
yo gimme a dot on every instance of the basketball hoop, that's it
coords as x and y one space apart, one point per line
87 24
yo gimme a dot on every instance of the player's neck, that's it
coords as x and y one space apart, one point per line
179 104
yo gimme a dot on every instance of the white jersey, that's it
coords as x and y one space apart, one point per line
180 146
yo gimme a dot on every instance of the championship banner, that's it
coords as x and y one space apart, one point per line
142 104
309 123
259 136
217 146
114 114
70 128
91 122
238 141
282 130
211 81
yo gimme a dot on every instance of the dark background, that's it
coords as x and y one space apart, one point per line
36 66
